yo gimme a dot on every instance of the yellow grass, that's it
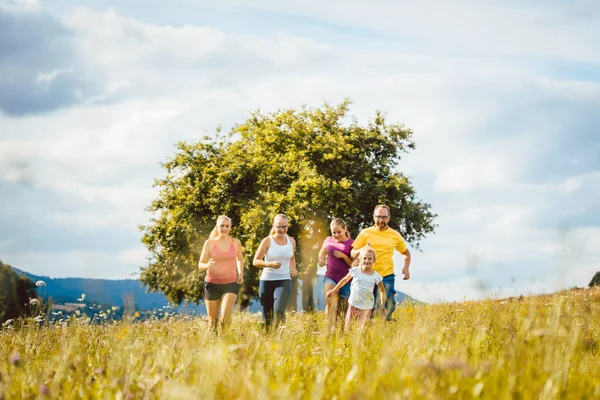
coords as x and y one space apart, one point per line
538 347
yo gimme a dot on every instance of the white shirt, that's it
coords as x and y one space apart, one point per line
279 253
361 288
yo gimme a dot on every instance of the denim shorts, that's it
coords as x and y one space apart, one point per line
344 292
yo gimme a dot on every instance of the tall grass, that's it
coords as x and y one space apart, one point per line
530 348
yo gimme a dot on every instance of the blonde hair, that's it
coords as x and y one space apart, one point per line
340 222
368 249
273 230
215 232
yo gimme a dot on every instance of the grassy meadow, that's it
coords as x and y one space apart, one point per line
541 347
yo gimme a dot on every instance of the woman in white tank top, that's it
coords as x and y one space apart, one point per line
275 256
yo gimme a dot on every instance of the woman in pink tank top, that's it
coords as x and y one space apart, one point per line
221 258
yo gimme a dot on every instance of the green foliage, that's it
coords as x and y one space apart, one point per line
595 280
15 293
311 164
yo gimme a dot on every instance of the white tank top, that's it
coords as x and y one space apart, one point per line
280 254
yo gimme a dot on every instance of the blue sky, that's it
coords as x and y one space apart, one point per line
503 98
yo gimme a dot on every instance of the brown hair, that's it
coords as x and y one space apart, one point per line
340 222
215 232
382 206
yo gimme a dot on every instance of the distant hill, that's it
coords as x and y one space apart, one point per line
102 291
113 292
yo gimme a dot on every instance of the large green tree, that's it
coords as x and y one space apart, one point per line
15 293
312 164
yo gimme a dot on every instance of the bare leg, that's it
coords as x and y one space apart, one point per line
227 304
212 311
330 305
350 316
363 318
342 307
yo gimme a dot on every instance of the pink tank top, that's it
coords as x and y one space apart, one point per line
225 268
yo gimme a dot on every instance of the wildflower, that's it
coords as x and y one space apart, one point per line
43 389
33 302
14 359
8 322
40 283
39 318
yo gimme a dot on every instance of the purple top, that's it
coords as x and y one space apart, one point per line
337 267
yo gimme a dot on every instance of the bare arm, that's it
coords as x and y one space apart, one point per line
322 254
339 254
293 270
339 285
405 270
260 254
204 262
240 261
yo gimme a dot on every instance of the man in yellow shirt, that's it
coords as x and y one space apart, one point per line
384 240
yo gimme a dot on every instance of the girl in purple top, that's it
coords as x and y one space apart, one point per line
336 253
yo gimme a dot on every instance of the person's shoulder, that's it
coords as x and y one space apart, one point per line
392 232
377 276
353 271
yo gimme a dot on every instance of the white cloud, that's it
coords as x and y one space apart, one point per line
20 5
486 128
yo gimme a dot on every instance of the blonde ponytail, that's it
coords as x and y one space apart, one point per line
342 223
215 232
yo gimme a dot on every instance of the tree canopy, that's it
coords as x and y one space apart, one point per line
311 164
595 280
15 293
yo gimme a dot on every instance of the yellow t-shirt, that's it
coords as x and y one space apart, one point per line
384 243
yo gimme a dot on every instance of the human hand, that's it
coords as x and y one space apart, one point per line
321 261
330 293
338 254
406 273
274 264
240 279
294 272
207 265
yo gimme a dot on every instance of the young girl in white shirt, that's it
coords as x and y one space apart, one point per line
364 280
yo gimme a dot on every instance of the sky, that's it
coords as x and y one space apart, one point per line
503 98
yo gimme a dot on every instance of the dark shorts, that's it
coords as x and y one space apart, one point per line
215 291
